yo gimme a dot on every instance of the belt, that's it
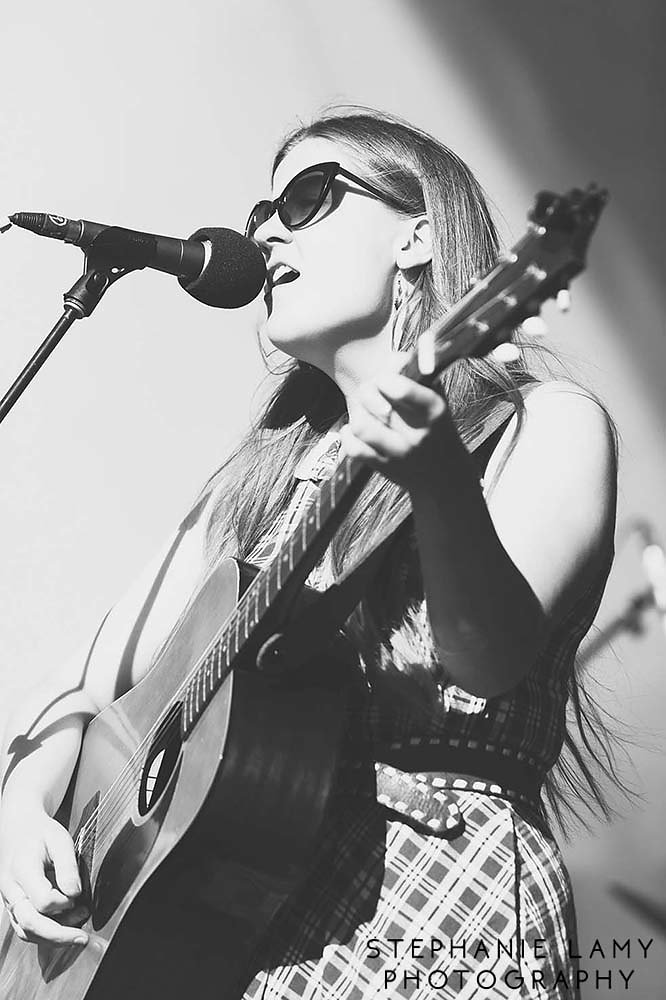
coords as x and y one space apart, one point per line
407 782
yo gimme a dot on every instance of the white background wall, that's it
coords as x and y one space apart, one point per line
164 118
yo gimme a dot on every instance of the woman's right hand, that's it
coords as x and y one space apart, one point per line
39 878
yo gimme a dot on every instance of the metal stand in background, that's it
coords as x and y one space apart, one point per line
108 258
628 621
631 619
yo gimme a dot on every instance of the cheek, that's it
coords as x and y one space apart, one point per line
332 298
346 277
354 282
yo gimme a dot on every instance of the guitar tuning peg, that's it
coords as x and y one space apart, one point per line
504 353
534 326
563 300
425 352
478 278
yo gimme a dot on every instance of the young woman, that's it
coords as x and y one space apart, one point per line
466 637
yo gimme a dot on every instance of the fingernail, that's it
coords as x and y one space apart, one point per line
80 940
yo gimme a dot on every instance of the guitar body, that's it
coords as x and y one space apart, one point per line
250 784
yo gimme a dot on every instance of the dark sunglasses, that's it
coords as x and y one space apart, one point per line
306 195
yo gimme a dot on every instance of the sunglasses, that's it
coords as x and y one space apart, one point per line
307 195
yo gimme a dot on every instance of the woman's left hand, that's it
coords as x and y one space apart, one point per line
399 427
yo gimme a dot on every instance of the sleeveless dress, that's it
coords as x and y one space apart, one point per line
475 903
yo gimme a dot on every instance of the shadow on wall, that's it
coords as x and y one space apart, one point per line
576 88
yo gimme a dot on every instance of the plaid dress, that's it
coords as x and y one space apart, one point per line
392 907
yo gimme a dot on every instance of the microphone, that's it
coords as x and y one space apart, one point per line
219 267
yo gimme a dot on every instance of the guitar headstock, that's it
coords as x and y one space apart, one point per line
564 224
539 267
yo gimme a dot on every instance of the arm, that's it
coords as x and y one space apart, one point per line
497 576
44 730
45 727
511 569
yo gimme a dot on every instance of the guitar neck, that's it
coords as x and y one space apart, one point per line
282 576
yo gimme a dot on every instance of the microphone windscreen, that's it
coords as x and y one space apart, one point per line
234 273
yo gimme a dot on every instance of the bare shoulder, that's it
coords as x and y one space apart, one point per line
559 412
567 399
553 499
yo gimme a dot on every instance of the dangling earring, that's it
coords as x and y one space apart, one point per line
399 293
396 329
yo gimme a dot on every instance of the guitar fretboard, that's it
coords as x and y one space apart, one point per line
292 563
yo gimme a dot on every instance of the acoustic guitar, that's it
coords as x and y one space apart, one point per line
224 733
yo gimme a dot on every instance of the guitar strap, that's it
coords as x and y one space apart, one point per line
327 612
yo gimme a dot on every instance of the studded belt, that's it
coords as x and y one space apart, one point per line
422 795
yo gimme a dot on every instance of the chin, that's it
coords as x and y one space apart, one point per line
284 339
292 337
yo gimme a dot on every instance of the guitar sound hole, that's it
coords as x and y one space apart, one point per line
161 761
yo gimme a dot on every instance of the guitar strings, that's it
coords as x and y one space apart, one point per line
95 826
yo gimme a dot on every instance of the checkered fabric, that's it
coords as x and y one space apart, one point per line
391 908
391 912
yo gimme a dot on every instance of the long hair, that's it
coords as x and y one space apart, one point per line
253 486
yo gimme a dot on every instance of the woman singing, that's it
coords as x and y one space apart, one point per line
444 879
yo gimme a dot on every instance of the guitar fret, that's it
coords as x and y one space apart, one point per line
197 699
246 609
205 674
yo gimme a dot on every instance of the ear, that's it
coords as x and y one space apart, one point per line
413 245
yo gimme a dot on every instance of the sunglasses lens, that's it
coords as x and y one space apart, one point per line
304 199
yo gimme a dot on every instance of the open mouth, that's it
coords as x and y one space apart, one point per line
282 275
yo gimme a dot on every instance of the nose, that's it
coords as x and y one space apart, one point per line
273 230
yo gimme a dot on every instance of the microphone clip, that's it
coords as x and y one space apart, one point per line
112 254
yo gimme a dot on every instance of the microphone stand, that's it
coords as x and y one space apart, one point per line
108 259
